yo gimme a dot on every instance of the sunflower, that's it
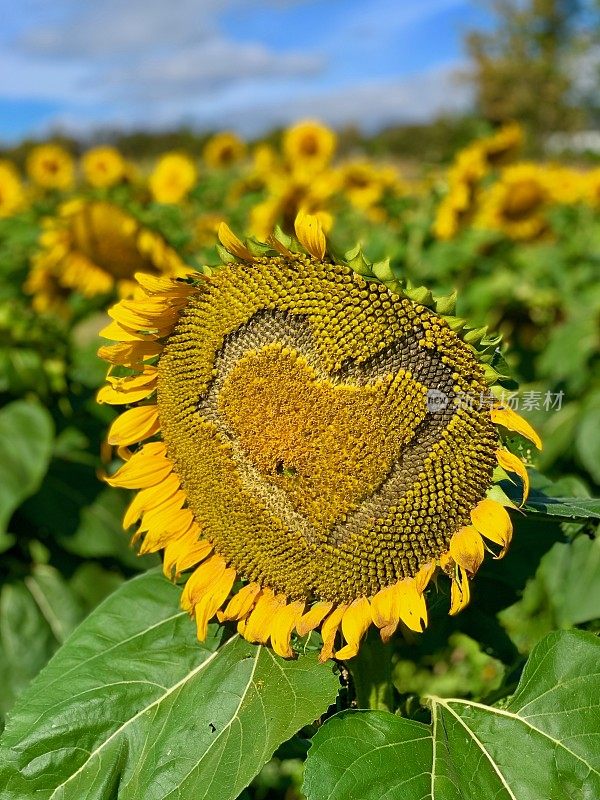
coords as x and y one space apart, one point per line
173 177
459 203
50 166
223 150
363 183
12 195
591 187
285 448
517 203
288 194
502 145
103 166
309 145
94 247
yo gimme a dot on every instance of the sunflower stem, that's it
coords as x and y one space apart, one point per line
371 672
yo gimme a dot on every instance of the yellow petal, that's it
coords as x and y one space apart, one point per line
123 393
310 234
216 594
413 608
329 630
355 623
514 422
134 425
512 463
466 548
281 628
232 244
385 606
388 631
150 498
141 471
200 580
492 521
424 575
118 333
154 285
313 617
184 552
460 592
159 536
258 625
241 603
161 516
129 354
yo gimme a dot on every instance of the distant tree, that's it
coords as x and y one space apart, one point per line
523 69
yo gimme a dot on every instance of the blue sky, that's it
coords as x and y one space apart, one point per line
85 65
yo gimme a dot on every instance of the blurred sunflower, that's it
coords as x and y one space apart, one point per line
458 205
502 145
287 450
103 166
12 194
591 187
172 178
93 248
50 166
289 193
516 203
365 183
309 145
223 150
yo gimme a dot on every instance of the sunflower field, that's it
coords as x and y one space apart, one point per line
300 447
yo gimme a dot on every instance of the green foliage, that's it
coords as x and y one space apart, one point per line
543 742
134 703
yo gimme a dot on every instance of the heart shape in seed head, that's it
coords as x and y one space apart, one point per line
329 445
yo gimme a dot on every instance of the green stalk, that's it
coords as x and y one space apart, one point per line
371 672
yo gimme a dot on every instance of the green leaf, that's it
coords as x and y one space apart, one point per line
369 755
544 743
26 433
134 705
567 507
36 615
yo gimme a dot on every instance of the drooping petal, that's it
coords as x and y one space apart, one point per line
424 575
214 597
199 581
282 626
258 625
241 603
460 592
413 608
514 422
355 623
512 463
184 552
329 630
466 548
385 608
492 521
313 617
149 498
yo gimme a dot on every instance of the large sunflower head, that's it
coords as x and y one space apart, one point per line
314 443
173 177
223 150
95 247
12 193
103 166
50 166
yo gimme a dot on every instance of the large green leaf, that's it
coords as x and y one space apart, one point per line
134 705
26 433
544 744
